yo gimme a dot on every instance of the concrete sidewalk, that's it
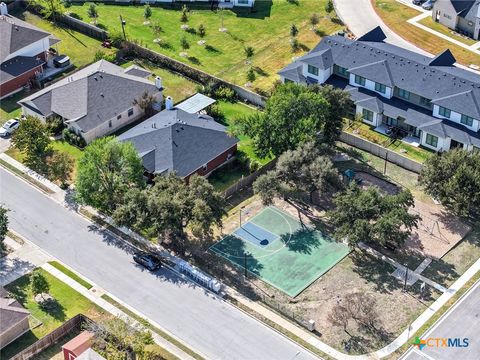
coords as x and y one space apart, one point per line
95 297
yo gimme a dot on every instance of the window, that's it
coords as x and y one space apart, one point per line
359 80
432 140
466 120
130 112
367 114
425 101
341 70
312 70
119 116
380 88
404 94
242 1
444 112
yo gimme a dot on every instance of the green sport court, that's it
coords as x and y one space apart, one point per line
280 250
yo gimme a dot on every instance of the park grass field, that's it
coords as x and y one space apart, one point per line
295 256
266 29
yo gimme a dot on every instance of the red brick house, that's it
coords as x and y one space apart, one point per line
177 141
23 52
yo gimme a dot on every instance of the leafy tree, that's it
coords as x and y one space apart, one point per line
294 114
33 139
50 9
3 227
339 102
92 12
293 31
453 178
147 12
156 29
171 205
38 283
329 6
119 337
145 102
184 17
369 216
305 169
202 31
251 75
106 172
314 20
249 52
268 187
184 43
61 166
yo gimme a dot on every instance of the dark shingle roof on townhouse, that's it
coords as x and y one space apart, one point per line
174 140
462 6
402 68
17 34
90 96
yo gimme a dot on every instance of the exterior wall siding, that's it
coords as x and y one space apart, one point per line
444 13
370 85
377 118
34 49
18 83
456 117
322 76
14 332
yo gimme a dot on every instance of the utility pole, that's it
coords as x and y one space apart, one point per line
123 22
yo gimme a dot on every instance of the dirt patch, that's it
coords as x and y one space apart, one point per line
368 180
438 231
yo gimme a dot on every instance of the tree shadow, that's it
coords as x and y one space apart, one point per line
260 71
54 309
194 60
375 271
165 45
233 249
302 241
212 49
15 268
320 32
192 31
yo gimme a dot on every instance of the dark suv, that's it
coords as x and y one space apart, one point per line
418 2
149 261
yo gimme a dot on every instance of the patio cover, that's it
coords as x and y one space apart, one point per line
195 103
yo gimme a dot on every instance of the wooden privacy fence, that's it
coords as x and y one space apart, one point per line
381 152
248 180
52 338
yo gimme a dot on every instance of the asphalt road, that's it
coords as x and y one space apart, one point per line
360 17
462 321
207 324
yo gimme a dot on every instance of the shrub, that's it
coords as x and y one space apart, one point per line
215 112
99 55
210 88
75 16
72 138
38 283
253 166
55 125
225 93
201 30
116 38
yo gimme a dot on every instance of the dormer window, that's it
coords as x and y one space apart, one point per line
444 112
360 80
380 88
466 120
312 70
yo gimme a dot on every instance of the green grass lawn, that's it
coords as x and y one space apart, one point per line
70 274
175 85
70 303
9 108
428 21
419 154
266 29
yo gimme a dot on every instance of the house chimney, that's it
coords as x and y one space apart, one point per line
3 9
158 82
169 103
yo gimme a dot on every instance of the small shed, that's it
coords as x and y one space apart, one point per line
195 104
79 344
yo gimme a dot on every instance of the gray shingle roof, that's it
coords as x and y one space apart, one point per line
462 6
11 311
174 140
90 96
399 67
320 59
16 34
16 66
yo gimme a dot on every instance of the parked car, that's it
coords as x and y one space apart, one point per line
428 5
9 127
418 2
149 261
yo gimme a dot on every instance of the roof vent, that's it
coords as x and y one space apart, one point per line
101 94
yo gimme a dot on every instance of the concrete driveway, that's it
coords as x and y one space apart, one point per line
360 17
4 144
210 325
